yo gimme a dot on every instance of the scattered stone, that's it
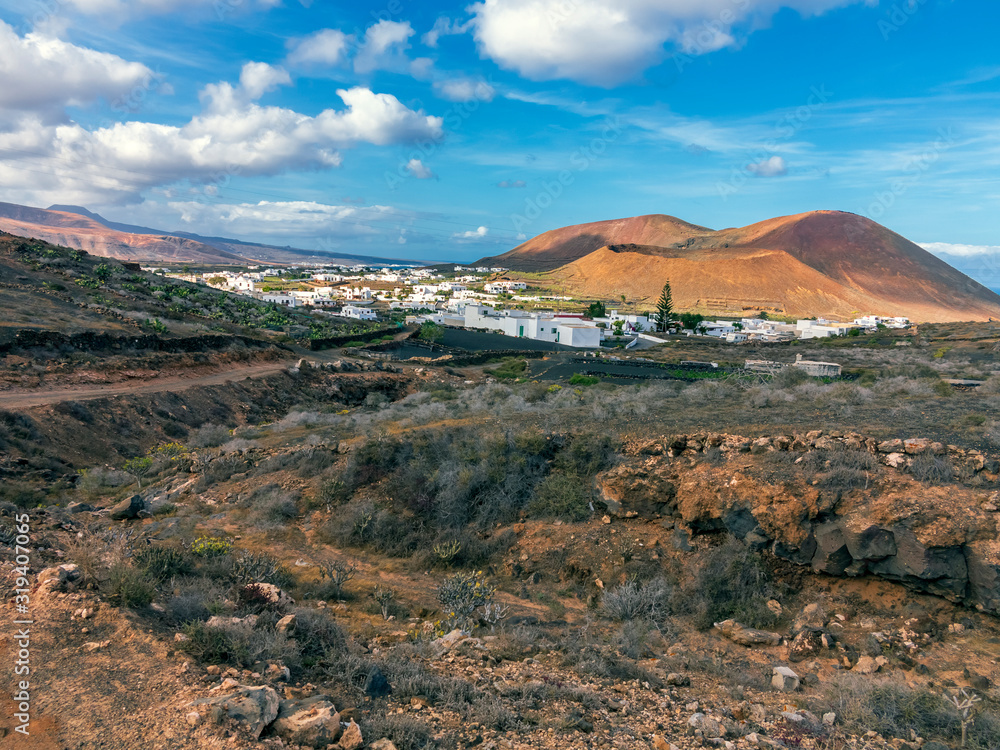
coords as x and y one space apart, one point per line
809 643
96 646
181 638
745 636
254 707
286 624
351 739
678 680
313 722
775 606
213 669
383 744
128 508
79 508
278 673
193 718
710 728
868 665
785 679
829 719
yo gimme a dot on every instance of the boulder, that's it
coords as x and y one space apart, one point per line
59 578
678 680
253 707
351 739
868 665
916 446
890 446
710 728
646 490
809 643
832 555
745 636
383 744
128 508
79 508
812 616
313 722
376 685
286 624
785 679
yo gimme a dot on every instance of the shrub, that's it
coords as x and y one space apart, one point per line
403 732
560 495
162 563
461 595
259 567
732 583
128 586
578 378
932 469
635 601
209 436
239 644
211 546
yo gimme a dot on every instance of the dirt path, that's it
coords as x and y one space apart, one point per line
28 399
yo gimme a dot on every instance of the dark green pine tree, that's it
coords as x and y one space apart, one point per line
664 308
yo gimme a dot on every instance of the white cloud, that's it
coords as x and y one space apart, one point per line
772 167
232 136
384 47
593 41
325 47
44 75
221 8
961 251
464 90
512 184
419 170
472 234
256 79
443 27
291 219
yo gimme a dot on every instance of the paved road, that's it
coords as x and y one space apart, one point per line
27 399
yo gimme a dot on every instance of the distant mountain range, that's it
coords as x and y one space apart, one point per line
820 263
76 227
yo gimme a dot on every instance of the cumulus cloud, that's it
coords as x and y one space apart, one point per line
593 41
232 136
464 90
773 167
512 184
325 47
419 170
44 75
384 46
472 234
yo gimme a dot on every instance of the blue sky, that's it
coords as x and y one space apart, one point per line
456 130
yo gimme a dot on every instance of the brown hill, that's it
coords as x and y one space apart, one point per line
83 233
818 263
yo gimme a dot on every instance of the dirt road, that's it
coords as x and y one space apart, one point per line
28 399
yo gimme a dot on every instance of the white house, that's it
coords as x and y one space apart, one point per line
570 331
498 287
358 313
818 329
736 337
278 298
